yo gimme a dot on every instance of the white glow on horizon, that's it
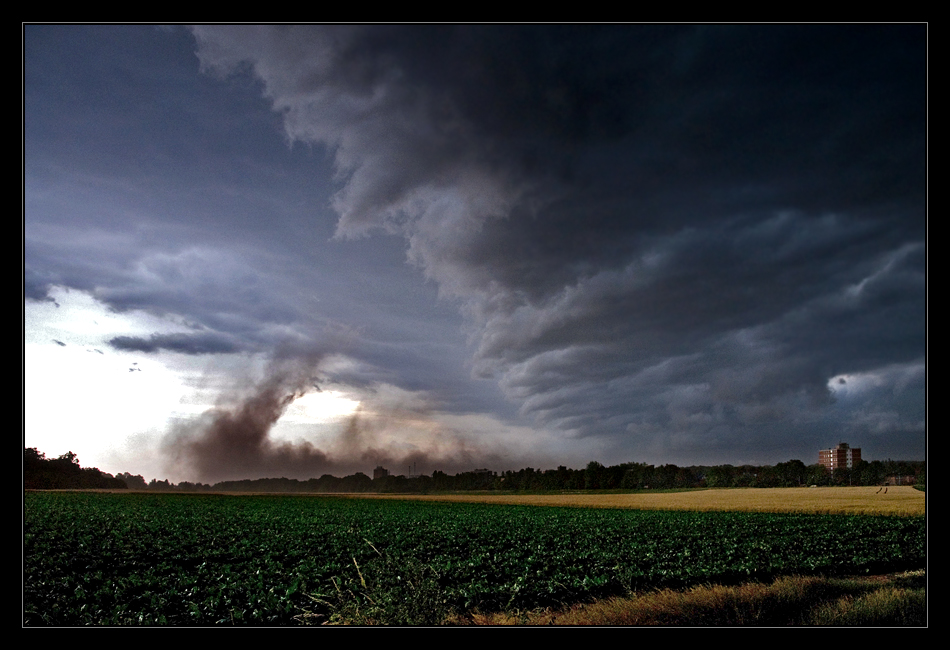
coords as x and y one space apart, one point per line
82 395
320 407
79 400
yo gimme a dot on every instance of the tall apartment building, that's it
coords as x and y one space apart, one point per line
840 456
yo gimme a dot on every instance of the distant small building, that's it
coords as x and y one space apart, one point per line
380 472
840 457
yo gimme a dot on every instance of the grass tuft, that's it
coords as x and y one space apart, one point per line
889 606
387 592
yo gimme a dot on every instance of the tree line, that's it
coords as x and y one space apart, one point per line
64 472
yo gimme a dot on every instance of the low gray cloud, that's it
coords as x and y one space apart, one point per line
201 343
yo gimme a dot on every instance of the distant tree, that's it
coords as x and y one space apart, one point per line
593 475
873 473
637 476
719 476
358 482
70 458
562 477
841 476
440 480
818 474
161 486
665 476
611 477
136 482
789 474
766 477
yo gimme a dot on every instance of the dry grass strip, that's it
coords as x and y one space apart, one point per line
900 501
789 600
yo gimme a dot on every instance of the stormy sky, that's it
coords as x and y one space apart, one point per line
296 250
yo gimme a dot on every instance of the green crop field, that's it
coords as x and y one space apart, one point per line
179 559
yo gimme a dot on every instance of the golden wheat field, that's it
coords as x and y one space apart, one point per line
903 501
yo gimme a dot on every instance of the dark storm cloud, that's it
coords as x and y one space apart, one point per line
649 228
676 239
161 191
35 287
199 285
203 343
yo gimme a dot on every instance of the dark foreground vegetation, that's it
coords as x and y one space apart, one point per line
64 473
180 559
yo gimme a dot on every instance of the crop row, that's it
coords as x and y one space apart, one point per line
203 559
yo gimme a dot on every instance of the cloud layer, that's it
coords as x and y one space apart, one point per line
681 229
660 243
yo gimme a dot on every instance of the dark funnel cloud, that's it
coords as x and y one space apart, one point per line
233 442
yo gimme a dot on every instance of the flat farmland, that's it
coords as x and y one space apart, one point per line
205 559
898 501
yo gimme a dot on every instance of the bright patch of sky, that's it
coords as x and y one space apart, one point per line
78 388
